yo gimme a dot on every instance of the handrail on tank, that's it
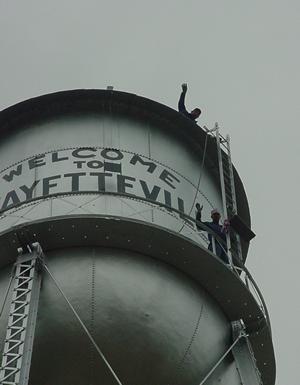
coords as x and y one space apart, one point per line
238 265
210 132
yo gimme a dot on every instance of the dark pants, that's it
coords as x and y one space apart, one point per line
220 252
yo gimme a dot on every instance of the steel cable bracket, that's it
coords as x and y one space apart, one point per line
241 333
244 356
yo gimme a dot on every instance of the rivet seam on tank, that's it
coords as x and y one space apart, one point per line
181 362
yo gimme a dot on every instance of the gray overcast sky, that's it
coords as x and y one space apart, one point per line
241 60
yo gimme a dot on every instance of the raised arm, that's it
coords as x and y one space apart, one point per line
198 216
181 102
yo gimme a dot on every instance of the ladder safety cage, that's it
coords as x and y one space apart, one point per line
16 357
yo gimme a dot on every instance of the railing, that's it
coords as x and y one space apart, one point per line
237 264
223 140
240 269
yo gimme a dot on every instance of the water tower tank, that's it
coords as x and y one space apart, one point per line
106 183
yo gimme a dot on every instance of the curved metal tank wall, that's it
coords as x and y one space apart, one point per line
144 160
68 173
154 325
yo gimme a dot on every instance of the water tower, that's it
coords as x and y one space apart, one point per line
105 278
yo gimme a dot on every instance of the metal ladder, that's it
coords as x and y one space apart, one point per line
20 330
228 193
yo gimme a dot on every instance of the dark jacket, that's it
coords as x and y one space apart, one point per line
181 107
219 231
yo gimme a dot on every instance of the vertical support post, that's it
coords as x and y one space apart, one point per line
244 357
231 175
213 242
20 330
236 339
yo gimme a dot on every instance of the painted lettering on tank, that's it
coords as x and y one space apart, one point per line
28 190
75 179
150 165
107 162
84 153
55 157
89 169
169 178
47 185
112 154
37 161
122 183
101 179
12 173
10 200
151 195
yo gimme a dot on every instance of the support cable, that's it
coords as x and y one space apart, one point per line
199 181
241 335
83 326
